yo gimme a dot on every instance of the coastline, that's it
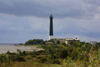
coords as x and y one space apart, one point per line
13 48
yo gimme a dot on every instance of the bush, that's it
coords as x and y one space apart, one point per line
21 59
19 51
3 58
24 52
43 59
33 55
17 58
56 56
64 44
56 61
63 54
58 42
35 41
9 53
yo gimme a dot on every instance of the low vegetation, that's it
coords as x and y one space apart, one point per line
79 54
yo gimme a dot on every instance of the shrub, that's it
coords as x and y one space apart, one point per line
43 59
58 42
3 58
20 59
56 56
8 52
64 44
35 41
63 54
24 52
33 55
56 61
19 51
17 58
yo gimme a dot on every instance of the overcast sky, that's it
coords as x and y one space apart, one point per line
21 20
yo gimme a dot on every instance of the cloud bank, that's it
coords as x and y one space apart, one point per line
21 20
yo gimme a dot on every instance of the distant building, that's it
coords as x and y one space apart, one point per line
49 43
66 40
62 40
93 42
69 40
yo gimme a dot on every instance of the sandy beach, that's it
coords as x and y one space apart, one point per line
12 48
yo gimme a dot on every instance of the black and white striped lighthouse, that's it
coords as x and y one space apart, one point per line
51 27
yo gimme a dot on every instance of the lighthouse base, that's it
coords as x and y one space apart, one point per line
50 37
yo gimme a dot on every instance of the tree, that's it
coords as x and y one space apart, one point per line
58 42
64 44
35 41
64 54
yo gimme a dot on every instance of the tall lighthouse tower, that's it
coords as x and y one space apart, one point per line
51 27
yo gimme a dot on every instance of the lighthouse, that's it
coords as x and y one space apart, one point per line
51 27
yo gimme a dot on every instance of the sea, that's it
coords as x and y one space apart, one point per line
12 47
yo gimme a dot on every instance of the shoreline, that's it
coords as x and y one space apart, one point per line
13 48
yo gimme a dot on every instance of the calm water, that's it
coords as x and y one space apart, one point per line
5 47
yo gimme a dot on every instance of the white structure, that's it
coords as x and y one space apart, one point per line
69 40
93 42
50 37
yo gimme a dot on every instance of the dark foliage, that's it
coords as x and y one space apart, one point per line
35 41
58 42
63 54
17 58
3 58
42 59
56 61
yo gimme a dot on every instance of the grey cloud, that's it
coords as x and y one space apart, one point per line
66 19
59 8
93 2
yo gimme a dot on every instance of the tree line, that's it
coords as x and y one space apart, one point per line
35 42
